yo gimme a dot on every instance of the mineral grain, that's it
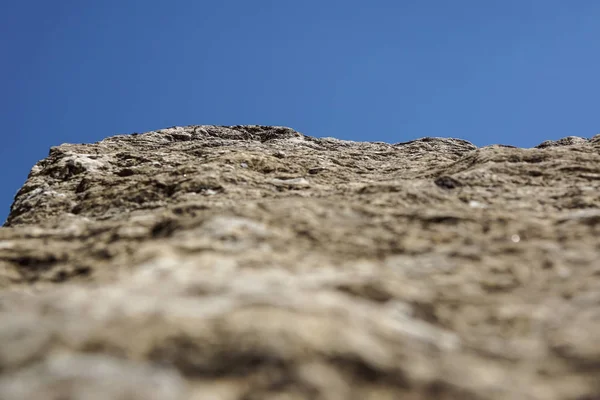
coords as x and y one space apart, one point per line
255 262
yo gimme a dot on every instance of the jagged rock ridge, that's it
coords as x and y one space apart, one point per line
254 262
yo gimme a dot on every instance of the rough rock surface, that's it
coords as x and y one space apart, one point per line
254 262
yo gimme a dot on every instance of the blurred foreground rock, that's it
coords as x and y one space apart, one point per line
253 262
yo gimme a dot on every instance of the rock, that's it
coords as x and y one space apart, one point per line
91 377
255 262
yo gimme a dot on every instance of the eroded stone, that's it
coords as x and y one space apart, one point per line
255 262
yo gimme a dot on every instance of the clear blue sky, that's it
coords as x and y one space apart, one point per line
489 71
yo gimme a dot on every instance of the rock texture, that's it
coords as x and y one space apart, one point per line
253 262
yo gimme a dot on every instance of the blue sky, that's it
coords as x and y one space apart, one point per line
513 71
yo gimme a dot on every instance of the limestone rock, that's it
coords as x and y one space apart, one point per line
255 262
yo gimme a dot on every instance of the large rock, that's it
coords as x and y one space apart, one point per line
254 262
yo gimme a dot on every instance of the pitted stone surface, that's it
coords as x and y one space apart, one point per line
255 262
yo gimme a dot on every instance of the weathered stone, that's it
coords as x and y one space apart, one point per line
254 262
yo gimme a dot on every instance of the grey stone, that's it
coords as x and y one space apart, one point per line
256 262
